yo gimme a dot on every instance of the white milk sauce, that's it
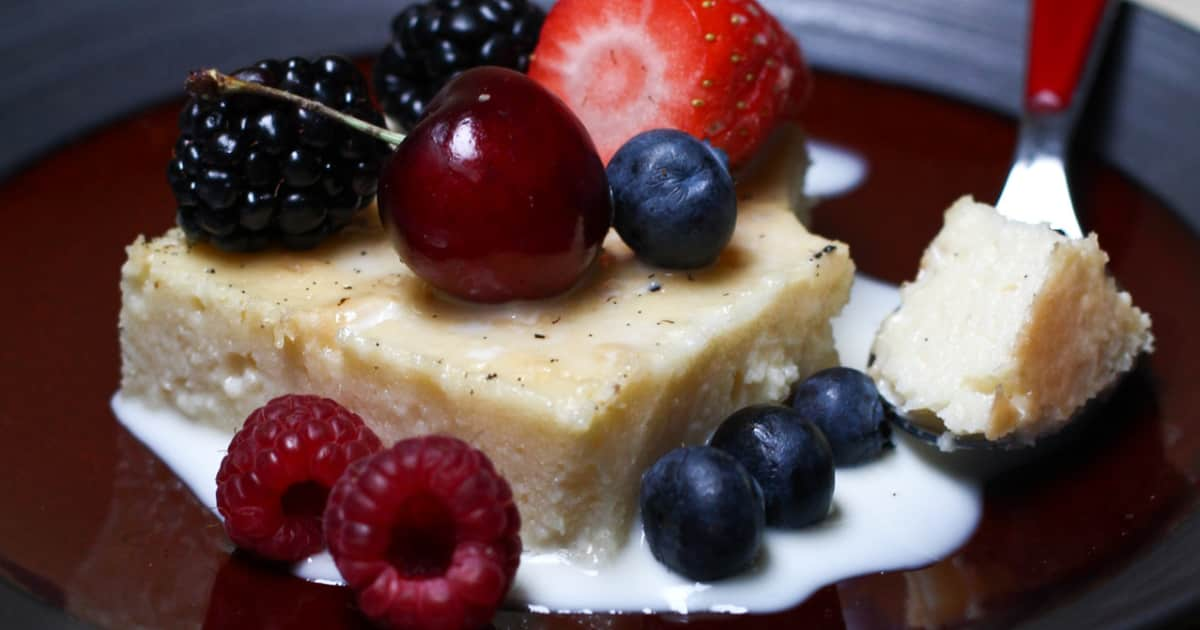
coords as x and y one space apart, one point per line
901 511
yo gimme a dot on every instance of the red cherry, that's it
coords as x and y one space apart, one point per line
499 193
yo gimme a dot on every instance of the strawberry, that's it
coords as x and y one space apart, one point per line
724 71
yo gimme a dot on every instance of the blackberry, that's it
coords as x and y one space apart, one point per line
435 40
249 171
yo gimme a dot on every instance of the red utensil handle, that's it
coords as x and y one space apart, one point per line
1060 39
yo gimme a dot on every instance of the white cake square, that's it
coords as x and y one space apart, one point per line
571 397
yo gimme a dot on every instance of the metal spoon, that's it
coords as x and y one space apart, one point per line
1066 42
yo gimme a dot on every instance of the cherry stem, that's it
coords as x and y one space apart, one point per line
210 83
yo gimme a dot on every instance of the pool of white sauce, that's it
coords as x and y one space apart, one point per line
900 511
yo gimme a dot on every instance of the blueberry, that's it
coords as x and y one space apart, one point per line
788 457
673 197
702 513
846 406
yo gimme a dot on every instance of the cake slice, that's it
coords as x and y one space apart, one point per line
571 397
1008 329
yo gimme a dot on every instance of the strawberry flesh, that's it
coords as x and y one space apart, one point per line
722 70
621 66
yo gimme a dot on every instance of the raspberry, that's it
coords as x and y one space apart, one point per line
426 533
274 481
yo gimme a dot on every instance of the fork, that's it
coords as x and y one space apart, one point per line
1066 41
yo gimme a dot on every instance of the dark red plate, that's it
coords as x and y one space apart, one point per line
95 531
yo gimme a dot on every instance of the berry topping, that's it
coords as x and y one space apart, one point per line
498 194
273 482
426 533
249 171
435 40
702 513
848 409
788 457
673 199
724 71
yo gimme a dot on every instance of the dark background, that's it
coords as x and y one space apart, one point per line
69 65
